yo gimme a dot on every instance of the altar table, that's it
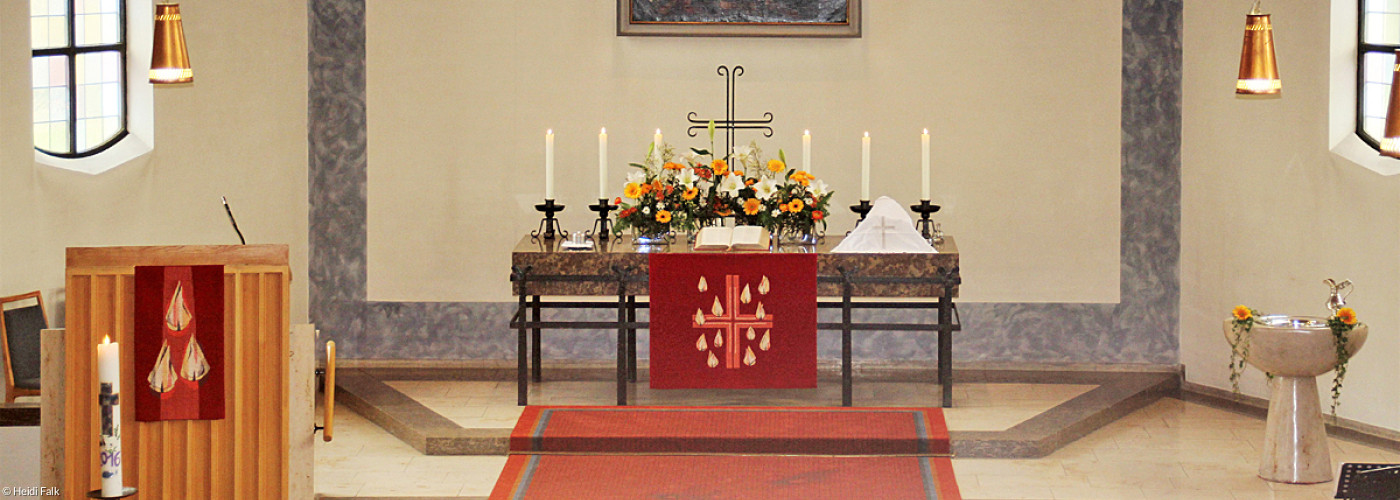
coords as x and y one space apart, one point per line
618 268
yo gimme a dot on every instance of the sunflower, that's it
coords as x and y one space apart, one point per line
776 166
720 167
1347 315
752 206
663 216
1242 313
632 190
690 193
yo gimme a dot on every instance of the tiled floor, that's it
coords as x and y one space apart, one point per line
977 407
1171 449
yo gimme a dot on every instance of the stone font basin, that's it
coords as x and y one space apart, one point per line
1296 346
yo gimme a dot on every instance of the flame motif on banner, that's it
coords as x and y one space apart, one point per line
733 325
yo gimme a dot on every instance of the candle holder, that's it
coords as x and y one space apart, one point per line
126 492
549 226
924 224
602 228
863 209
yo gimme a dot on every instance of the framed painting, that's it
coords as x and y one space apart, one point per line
775 18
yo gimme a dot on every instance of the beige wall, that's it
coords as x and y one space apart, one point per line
1022 99
239 131
1268 212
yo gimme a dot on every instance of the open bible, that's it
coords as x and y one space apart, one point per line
732 238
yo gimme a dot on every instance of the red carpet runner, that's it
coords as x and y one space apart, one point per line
729 453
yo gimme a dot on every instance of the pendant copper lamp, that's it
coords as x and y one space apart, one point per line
170 61
1258 68
1390 142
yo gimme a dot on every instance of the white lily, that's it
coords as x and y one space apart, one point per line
731 185
637 177
819 188
765 189
688 177
742 153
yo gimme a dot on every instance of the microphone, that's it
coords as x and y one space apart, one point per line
233 221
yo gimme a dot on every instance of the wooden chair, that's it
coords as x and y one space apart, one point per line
19 337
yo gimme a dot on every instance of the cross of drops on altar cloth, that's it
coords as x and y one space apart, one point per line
885 227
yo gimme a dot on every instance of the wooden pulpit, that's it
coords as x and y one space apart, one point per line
252 451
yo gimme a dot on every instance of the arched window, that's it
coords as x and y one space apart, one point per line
80 75
1378 36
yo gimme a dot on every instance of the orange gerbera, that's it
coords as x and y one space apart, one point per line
796 205
1242 313
739 173
818 215
776 165
657 186
720 167
801 177
645 188
752 206
632 190
691 193
1347 315
663 216
672 166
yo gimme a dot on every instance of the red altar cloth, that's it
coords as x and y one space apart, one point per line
733 320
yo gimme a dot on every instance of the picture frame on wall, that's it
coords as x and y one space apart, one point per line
768 18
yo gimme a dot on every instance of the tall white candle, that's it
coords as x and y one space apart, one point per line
865 167
807 151
549 164
925 185
603 164
656 144
109 399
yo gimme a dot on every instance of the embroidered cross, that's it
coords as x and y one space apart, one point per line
731 322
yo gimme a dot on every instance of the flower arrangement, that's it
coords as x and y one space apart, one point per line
673 191
1341 323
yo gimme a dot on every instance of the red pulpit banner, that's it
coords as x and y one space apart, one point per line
179 350
733 321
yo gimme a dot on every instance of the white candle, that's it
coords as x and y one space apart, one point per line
603 164
865 167
925 171
109 392
807 151
656 143
549 164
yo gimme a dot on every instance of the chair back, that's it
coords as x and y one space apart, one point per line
19 329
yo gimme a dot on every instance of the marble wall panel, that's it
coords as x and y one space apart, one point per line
1142 328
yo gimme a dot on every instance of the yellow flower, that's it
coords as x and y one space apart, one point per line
751 206
796 205
691 193
1242 313
776 165
663 216
632 190
720 167
1347 315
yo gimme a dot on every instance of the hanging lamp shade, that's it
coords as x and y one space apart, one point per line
1390 142
1258 68
170 62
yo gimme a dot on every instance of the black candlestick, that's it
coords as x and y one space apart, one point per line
549 226
863 208
602 228
924 224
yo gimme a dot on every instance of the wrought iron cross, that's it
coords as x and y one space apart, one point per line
729 124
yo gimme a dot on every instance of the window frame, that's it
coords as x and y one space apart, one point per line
72 50
1362 49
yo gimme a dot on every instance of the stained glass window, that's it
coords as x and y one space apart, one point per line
1379 37
79 75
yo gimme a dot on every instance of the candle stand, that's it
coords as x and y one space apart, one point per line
126 492
549 226
602 228
924 224
863 209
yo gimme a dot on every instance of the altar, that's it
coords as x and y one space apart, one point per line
617 268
